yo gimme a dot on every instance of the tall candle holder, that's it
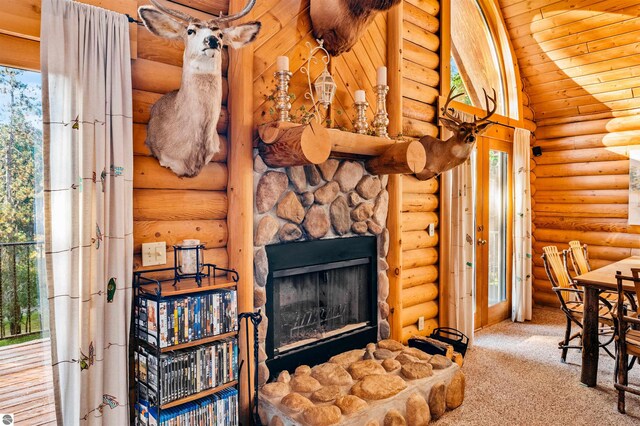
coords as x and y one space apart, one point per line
283 101
381 119
360 124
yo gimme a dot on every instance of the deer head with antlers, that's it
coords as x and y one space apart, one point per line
182 127
340 23
445 155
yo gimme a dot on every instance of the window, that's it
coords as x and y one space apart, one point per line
479 60
24 337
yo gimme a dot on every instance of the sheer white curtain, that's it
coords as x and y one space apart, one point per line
88 157
459 223
521 282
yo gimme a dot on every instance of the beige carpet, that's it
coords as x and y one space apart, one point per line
515 377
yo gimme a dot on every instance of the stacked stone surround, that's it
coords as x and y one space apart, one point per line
384 384
335 199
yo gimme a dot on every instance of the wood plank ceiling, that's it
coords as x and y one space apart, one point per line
580 62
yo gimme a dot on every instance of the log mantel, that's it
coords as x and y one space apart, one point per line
288 138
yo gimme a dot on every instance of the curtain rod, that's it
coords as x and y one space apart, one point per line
502 124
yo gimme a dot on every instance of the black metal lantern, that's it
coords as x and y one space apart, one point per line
188 259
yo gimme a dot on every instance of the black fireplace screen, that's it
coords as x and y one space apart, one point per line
321 299
316 302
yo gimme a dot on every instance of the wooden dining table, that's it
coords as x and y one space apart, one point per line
595 282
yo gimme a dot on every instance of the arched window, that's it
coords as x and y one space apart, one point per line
481 57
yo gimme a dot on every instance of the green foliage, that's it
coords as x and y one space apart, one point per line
20 151
457 84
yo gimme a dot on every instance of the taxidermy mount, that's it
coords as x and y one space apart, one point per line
182 127
445 155
340 23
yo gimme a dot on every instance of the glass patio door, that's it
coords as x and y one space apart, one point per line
493 231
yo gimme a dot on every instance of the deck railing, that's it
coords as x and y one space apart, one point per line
19 298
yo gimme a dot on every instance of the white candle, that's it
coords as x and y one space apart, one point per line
282 63
382 76
360 96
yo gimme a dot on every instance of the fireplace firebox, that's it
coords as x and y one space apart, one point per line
321 300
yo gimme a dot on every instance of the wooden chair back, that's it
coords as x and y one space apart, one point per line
621 309
579 257
555 266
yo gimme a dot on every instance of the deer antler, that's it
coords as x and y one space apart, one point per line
445 108
487 98
243 12
172 12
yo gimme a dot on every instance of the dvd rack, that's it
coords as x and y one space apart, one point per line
186 346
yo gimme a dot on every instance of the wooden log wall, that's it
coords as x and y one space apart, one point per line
579 62
419 201
166 207
419 255
420 67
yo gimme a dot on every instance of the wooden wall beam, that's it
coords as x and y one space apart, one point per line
19 52
394 219
445 181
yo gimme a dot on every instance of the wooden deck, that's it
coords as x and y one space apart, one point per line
26 383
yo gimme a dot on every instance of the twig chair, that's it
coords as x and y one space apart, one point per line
628 339
578 255
571 303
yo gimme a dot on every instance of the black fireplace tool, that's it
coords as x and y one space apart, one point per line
255 318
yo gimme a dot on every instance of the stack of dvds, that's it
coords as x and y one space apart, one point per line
220 409
186 372
176 320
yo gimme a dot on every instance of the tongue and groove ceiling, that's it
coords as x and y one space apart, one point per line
576 57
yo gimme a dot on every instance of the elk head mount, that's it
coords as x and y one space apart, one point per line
340 23
182 127
445 155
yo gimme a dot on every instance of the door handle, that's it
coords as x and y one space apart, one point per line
482 242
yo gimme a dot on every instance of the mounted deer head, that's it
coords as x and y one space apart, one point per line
182 127
445 155
340 23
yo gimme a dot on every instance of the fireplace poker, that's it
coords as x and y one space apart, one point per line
255 318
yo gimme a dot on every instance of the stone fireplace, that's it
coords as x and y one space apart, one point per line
320 230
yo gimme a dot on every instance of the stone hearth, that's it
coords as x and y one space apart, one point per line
386 383
335 199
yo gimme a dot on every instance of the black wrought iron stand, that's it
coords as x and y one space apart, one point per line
255 318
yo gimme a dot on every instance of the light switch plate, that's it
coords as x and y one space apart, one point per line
420 323
432 229
154 253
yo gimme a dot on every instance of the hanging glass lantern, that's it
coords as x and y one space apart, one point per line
325 88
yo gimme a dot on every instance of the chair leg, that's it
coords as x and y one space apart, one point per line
623 374
567 339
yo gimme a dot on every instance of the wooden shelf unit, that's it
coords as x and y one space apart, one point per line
198 395
187 286
199 342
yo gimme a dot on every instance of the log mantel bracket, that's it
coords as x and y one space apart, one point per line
290 144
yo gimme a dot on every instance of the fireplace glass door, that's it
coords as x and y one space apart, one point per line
320 301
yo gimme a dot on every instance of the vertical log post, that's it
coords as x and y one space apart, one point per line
445 178
394 219
239 194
